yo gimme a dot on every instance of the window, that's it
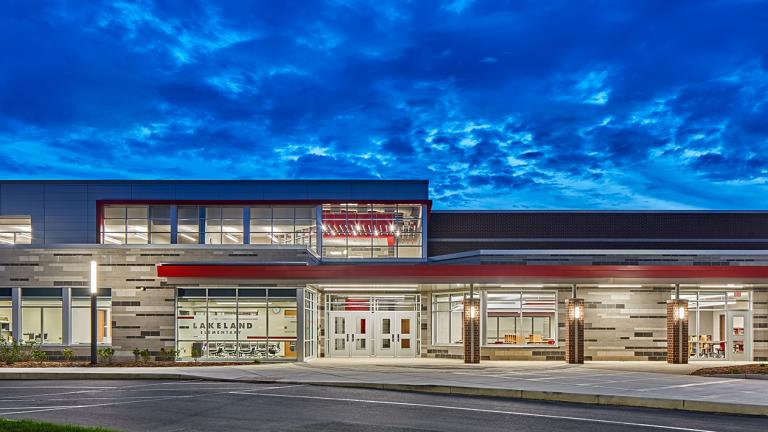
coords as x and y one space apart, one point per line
707 320
283 226
447 321
6 315
15 230
310 323
223 225
136 225
229 323
368 231
41 318
520 318
81 317
188 231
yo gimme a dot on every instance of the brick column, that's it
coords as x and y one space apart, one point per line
574 331
472 330
677 331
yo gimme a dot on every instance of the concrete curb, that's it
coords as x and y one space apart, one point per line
594 399
740 376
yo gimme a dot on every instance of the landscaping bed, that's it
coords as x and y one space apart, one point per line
160 363
750 369
36 426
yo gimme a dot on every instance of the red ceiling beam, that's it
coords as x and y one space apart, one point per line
460 273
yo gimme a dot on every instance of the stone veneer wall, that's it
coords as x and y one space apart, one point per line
142 304
626 323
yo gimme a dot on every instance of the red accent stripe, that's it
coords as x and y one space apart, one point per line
461 273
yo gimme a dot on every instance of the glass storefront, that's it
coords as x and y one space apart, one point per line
520 318
236 323
447 318
310 323
81 318
6 314
41 317
718 324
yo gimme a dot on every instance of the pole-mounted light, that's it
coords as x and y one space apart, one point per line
577 312
93 277
94 313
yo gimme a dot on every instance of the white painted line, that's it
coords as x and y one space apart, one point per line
269 388
690 385
490 411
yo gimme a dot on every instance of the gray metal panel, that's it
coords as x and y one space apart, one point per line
197 191
153 191
109 192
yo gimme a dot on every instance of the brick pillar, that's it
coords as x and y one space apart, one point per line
472 330
677 331
574 331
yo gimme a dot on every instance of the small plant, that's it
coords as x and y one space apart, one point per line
144 355
136 354
733 370
39 355
68 355
168 354
256 361
105 354
10 351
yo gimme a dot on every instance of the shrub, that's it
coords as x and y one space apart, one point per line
10 351
256 361
105 354
68 355
136 354
168 354
145 355
39 355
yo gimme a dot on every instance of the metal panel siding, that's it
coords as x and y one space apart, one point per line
153 191
109 191
197 191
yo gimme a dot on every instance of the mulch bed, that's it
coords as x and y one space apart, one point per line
52 364
757 369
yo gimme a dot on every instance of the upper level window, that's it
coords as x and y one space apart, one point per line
15 230
365 231
188 224
223 225
284 226
136 225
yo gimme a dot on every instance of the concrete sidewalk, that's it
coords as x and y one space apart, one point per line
640 384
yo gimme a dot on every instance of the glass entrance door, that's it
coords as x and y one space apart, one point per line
360 334
406 334
396 334
739 329
338 335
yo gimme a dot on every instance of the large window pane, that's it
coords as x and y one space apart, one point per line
447 322
6 319
81 321
41 320
15 230
521 318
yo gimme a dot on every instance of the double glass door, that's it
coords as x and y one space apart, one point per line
380 334
350 334
395 334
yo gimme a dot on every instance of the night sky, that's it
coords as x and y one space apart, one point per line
508 105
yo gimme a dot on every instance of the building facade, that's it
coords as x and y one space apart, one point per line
294 270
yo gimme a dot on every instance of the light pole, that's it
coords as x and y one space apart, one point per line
94 314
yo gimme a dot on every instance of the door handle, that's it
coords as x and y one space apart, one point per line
353 338
398 337
347 338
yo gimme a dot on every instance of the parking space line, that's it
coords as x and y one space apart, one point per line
482 410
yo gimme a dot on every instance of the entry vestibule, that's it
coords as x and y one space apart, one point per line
720 325
372 326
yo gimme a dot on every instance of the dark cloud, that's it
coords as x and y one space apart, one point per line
599 104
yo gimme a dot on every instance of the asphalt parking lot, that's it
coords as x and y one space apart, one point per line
206 406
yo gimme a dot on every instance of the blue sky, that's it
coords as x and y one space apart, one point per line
519 104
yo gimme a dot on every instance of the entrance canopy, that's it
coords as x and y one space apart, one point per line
485 273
